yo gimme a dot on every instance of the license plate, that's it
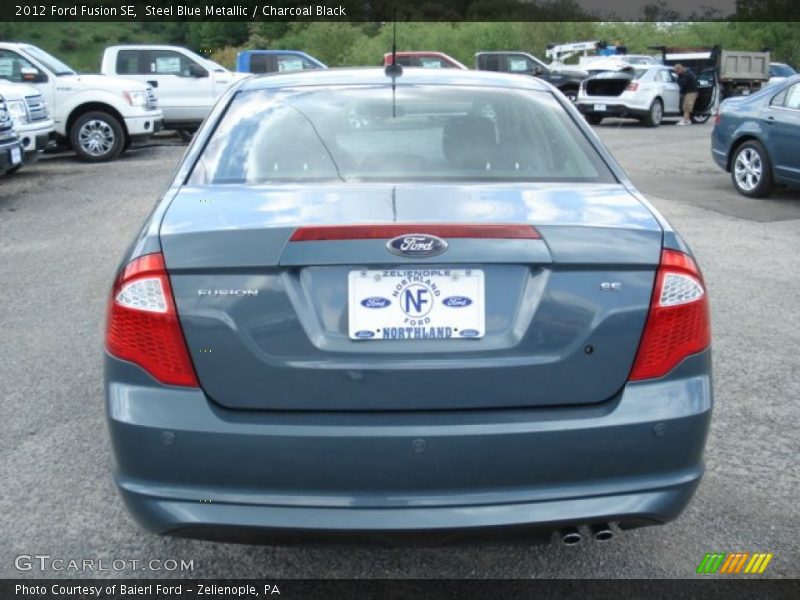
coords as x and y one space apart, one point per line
16 156
599 107
418 304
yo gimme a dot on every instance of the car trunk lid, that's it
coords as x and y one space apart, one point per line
266 318
609 83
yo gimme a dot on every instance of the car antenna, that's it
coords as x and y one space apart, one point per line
394 70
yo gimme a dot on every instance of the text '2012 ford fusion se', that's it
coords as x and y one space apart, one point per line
419 304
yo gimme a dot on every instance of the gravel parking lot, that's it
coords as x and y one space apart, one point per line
64 226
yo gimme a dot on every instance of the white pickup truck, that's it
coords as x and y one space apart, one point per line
99 117
186 84
31 119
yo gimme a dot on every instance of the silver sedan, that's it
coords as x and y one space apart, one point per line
648 93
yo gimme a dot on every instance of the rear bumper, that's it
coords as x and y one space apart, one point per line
613 108
187 467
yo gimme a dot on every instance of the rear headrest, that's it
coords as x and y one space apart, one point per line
469 141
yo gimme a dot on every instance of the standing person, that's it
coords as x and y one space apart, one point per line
687 82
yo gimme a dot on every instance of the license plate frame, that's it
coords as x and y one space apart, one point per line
416 304
15 156
599 107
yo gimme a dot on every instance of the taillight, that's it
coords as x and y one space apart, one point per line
678 323
143 325
717 119
632 86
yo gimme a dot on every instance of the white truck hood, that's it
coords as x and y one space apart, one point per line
16 91
99 82
230 76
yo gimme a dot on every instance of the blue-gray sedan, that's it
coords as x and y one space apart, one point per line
757 138
405 306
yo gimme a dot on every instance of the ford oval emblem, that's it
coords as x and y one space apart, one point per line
471 333
365 334
416 245
375 302
457 301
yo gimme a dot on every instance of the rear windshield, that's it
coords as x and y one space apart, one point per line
414 133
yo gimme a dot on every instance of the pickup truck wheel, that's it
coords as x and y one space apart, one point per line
700 119
186 135
655 114
751 170
97 137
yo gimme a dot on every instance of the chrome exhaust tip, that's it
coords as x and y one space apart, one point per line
570 536
601 532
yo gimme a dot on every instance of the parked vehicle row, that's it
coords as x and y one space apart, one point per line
141 89
144 88
98 117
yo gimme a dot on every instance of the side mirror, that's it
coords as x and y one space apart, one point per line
196 70
31 75
538 70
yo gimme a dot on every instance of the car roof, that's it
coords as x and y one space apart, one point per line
377 76
146 45
502 52
417 53
273 51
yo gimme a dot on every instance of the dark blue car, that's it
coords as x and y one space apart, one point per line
417 306
757 138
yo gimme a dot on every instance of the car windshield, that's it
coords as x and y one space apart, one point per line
51 63
414 133
779 70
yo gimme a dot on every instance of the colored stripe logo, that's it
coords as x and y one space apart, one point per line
734 563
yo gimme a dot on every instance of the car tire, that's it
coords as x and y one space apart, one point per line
186 135
97 136
700 119
655 114
751 170
594 119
